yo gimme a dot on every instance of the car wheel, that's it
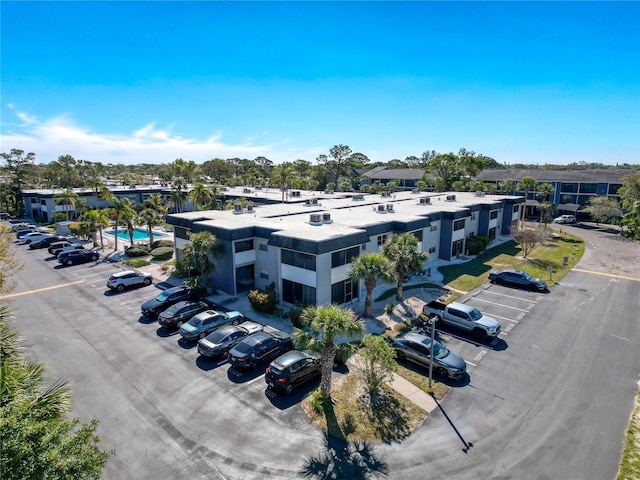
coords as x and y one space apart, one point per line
288 389
224 353
94 258
120 288
400 355
179 324
441 372
235 321
147 282
203 334
69 262
480 335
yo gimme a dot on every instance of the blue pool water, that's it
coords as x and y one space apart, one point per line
138 234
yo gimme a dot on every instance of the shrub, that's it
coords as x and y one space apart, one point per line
295 315
162 253
59 217
136 262
343 352
318 401
136 251
388 309
477 244
264 301
161 243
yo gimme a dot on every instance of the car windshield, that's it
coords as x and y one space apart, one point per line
243 347
217 337
162 297
440 350
526 276
475 314
171 310
194 322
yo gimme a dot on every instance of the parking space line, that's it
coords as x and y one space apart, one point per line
508 328
510 296
12 295
480 355
521 316
506 306
131 301
470 363
500 317
99 272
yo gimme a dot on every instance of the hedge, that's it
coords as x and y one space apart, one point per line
136 251
162 253
161 243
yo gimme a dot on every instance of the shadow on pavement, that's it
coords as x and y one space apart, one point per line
237 376
187 344
165 332
145 320
424 371
467 445
207 363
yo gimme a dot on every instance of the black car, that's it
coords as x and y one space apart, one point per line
291 369
517 278
166 298
46 242
78 256
181 312
259 348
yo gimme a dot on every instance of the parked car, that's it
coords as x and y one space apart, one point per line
64 246
33 237
78 256
565 219
207 321
464 317
517 278
220 341
180 312
23 232
416 348
46 242
292 369
166 298
128 278
16 227
259 348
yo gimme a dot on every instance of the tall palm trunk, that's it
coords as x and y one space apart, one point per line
326 367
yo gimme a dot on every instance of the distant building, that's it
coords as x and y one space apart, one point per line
306 248
407 178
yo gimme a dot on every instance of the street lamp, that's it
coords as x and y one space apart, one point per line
432 322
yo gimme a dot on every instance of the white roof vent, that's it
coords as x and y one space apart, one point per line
381 209
315 219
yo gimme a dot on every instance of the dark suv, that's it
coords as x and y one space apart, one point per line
151 308
261 347
46 242
180 312
78 256
291 369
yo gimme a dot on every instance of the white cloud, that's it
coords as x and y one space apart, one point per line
61 135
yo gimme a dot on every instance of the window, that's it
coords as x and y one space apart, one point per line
43 202
298 259
244 245
343 257
34 200
458 224
613 188
293 292
382 239
264 247
588 187
569 188
264 275
456 248
432 250
344 292
433 228
473 215
516 208
493 214
418 235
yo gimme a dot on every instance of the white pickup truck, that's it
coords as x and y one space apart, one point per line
464 317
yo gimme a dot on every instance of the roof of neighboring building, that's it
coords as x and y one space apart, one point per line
542 175
383 173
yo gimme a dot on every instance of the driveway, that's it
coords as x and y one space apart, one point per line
552 402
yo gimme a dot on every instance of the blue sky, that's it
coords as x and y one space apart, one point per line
133 82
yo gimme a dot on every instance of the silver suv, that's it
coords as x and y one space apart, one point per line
128 278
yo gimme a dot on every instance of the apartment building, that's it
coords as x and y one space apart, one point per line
306 247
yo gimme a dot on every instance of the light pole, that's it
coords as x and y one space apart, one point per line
432 322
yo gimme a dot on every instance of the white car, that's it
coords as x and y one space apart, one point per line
128 278
565 219
32 237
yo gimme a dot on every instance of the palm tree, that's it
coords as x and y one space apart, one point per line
121 207
67 198
156 202
200 195
544 190
106 195
282 175
526 184
150 218
178 197
327 323
96 184
91 220
403 252
371 267
196 255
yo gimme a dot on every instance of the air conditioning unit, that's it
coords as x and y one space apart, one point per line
237 209
390 207
382 209
359 196
415 190
326 218
425 201
451 198
386 194
246 190
250 208
295 193
314 201
315 219
479 193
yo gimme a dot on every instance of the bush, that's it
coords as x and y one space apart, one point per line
477 244
162 253
295 315
343 353
264 301
59 217
136 251
161 243
137 262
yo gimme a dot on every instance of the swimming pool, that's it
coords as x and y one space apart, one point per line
138 234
